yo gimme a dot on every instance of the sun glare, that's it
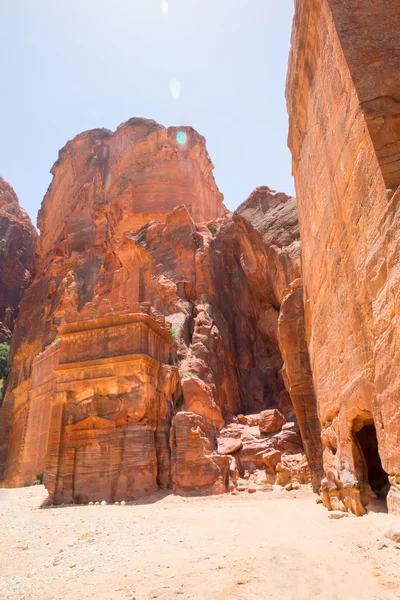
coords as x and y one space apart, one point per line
164 7
181 138
175 88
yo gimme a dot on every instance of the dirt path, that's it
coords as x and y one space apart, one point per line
261 546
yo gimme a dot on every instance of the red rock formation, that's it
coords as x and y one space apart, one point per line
17 251
150 322
342 94
270 246
196 468
94 277
271 421
298 377
265 454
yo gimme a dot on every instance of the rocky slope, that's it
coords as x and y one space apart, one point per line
17 251
342 94
153 323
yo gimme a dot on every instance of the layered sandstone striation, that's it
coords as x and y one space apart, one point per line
152 323
17 252
343 99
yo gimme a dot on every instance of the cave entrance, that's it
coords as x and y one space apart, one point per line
373 471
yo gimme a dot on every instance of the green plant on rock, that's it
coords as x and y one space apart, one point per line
4 360
212 228
173 333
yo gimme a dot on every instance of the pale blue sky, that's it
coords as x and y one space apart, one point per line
69 66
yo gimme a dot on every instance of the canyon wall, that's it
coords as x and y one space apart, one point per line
343 93
17 251
154 326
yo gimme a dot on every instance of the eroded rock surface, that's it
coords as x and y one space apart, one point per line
17 252
342 94
271 259
151 323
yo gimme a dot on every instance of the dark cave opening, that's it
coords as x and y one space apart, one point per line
377 478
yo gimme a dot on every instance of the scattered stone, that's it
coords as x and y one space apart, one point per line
271 421
270 459
393 533
337 514
228 445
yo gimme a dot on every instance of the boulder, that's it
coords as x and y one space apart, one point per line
229 445
271 421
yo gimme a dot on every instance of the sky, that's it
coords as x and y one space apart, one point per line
217 65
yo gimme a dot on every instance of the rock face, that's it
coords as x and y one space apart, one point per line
152 321
17 251
270 244
342 94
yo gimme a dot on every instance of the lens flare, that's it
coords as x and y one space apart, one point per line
175 88
181 138
164 7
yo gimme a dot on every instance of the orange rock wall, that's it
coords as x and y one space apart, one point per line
108 183
343 57
373 58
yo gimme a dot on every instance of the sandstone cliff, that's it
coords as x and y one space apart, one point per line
17 251
152 327
342 95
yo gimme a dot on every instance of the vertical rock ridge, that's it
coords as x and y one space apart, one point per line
341 95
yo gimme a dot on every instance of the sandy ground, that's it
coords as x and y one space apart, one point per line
259 546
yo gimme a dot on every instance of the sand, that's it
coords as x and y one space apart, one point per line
265 545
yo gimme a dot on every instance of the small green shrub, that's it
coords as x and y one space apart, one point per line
4 360
173 334
212 228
